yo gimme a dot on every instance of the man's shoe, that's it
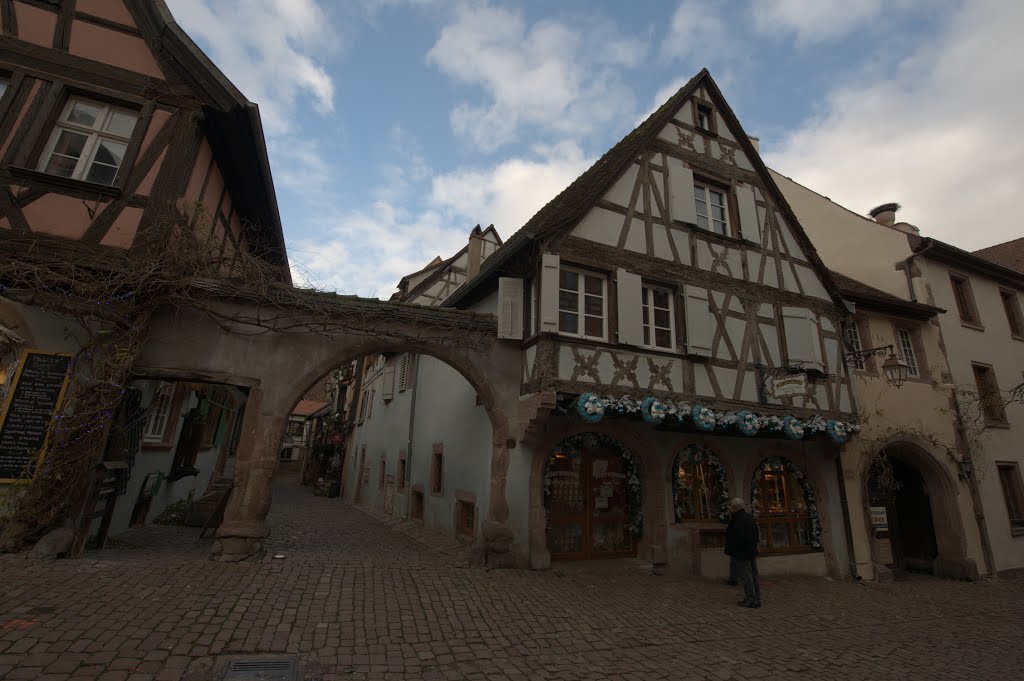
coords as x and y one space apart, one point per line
751 604
731 582
745 602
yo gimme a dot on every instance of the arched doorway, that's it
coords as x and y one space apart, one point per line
592 499
903 529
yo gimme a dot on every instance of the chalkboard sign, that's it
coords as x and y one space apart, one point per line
34 395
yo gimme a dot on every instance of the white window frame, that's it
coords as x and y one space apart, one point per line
581 326
707 191
647 305
159 416
905 342
94 134
851 334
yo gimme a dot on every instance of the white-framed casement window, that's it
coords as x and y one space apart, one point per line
712 211
906 346
853 344
659 327
89 141
159 414
582 304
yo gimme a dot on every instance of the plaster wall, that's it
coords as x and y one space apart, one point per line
992 346
113 47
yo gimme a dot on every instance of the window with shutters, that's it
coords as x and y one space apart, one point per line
852 336
964 299
89 141
158 420
582 304
1013 315
906 346
712 208
658 317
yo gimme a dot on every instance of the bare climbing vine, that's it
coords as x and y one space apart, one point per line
108 298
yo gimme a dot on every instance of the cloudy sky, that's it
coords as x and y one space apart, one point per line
395 126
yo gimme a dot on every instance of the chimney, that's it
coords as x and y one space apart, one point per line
756 141
476 243
885 214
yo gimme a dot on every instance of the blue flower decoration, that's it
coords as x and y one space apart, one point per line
836 432
590 407
652 410
747 423
703 418
792 428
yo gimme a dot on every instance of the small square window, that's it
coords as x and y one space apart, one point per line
964 299
88 142
704 116
1013 493
581 304
712 209
1013 314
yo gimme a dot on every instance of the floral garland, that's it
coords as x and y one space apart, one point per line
574 444
696 454
779 462
656 411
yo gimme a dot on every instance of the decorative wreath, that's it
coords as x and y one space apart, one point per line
703 418
590 407
696 454
652 410
778 462
792 428
836 431
747 423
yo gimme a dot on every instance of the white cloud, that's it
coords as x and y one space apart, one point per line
509 193
814 21
696 29
270 49
549 75
941 134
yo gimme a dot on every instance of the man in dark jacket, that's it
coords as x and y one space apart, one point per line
741 540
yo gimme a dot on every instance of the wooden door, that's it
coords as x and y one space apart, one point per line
588 513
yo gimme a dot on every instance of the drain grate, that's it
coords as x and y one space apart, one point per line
262 669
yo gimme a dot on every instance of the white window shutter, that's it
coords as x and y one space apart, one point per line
403 372
510 308
749 228
700 323
549 293
388 389
802 343
630 298
680 192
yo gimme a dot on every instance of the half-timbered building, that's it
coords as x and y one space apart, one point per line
116 133
680 344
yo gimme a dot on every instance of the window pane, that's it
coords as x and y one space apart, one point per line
698 192
593 305
702 221
646 314
907 351
101 174
780 535
594 285
647 333
718 227
718 213
70 144
569 280
568 322
594 327
64 166
702 208
717 198
84 113
660 298
662 338
661 318
121 123
110 153
567 300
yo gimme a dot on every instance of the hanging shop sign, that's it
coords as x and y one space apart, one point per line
785 386
35 394
879 519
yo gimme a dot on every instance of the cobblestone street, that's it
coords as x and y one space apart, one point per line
356 598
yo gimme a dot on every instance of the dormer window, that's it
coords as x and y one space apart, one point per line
89 141
704 118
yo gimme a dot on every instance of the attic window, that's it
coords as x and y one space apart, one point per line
704 115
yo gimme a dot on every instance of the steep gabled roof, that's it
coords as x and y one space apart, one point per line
876 299
1008 254
958 258
564 211
442 266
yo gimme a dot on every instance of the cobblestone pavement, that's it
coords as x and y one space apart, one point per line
356 598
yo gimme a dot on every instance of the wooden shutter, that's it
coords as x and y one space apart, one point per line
403 372
749 228
680 192
700 323
549 293
802 342
629 293
510 308
388 389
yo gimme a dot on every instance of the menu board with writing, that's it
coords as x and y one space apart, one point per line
34 395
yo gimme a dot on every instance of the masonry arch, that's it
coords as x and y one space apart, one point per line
279 367
925 530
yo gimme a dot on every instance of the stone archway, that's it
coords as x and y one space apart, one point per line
939 545
280 367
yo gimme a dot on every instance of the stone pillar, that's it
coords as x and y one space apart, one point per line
244 527
497 537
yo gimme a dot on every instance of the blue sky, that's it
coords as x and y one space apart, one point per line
395 126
